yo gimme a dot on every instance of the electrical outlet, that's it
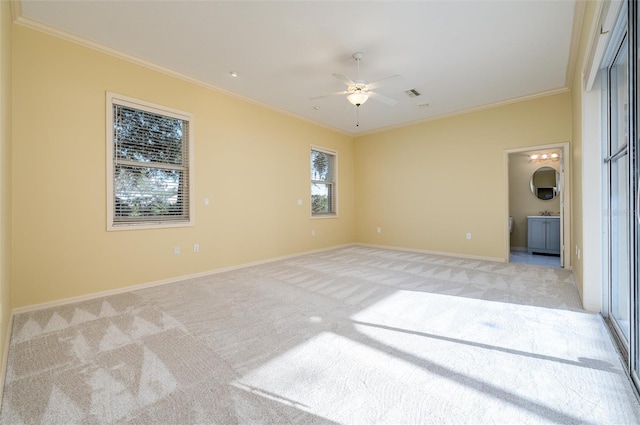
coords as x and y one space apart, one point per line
313 233
176 250
196 247
379 230
468 236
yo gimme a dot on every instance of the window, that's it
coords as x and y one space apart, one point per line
149 172
324 165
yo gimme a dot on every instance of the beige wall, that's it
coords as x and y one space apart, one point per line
5 172
591 293
428 184
522 202
424 185
251 162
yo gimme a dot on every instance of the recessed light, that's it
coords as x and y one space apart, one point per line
317 108
233 74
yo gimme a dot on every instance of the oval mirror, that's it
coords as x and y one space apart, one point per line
544 183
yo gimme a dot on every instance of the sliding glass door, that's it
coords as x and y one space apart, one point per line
621 171
634 192
617 173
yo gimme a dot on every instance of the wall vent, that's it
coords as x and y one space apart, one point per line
412 93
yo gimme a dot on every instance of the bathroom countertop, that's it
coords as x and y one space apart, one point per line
543 216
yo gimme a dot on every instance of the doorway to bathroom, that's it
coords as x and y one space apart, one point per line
537 224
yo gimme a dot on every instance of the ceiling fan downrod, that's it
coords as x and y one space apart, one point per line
358 57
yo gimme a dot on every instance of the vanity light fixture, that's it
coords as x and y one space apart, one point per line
537 157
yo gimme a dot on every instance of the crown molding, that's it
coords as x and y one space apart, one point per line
64 35
16 9
72 38
576 34
470 110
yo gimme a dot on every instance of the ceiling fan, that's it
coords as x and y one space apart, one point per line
359 91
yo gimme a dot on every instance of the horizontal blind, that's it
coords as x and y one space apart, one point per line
150 166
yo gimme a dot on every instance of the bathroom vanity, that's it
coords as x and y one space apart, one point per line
543 234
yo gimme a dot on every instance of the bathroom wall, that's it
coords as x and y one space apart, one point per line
521 201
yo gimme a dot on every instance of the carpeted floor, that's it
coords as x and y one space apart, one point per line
355 335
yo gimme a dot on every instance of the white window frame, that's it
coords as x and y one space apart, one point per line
153 222
333 182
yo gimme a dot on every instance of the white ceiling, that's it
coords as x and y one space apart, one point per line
459 55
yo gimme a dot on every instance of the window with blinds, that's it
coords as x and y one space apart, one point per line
323 182
150 173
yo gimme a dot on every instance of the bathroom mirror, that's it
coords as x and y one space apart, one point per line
544 183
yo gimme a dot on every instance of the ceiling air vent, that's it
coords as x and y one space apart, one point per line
412 93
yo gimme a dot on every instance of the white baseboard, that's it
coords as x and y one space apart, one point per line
70 300
64 301
5 356
422 251
519 248
94 295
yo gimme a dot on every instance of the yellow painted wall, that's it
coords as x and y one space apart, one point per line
5 171
590 15
576 155
425 185
251 162
428 184
522 202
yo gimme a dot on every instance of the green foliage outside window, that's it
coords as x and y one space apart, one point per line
322 184
149 174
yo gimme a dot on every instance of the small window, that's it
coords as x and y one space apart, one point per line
324 167
149 172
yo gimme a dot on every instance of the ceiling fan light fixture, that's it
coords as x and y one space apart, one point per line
357 98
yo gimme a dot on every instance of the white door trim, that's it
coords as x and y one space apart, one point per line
565 204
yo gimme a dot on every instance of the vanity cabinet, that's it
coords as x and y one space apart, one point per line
543 235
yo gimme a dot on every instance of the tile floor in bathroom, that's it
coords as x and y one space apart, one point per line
535 259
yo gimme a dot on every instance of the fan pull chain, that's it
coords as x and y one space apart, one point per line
358 116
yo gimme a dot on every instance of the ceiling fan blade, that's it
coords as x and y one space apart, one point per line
327 95
348 81
382 98
382 81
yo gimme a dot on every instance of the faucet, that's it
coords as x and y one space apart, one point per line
545 213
